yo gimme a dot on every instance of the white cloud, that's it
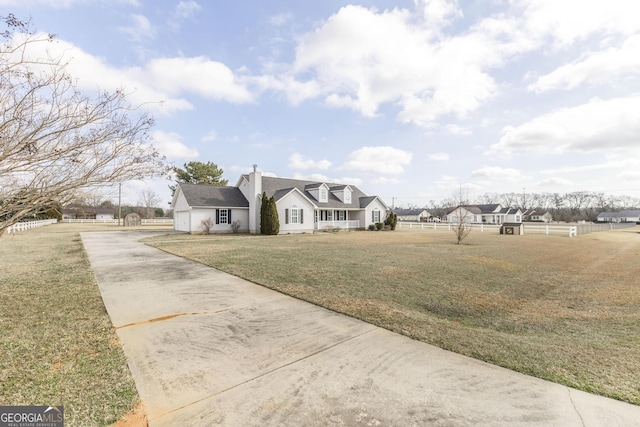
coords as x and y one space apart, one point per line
198 75
610 125
61 4
439 157
494 173
186 9
210 136
379 160
607 66
141 29
454 129
298 161
361 58
554 182
281 19
170 144
323 178
385 180
569 21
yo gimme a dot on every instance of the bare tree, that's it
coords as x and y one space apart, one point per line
462 216
149 199
55 141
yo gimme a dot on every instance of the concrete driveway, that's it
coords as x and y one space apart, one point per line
206 348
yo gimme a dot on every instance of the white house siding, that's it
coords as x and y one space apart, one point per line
368 213
181 221
286 203
467 216
181 213
200 214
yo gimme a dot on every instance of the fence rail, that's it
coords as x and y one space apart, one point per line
537 228
115 221
27 225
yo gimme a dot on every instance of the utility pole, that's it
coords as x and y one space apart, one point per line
120 203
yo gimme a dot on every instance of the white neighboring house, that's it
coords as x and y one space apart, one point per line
303 206
622 216
484 214
537 215
84 212
412 214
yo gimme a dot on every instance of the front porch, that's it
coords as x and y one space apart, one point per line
342 225
334 219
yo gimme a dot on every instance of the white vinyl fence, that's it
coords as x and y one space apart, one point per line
115 221
27 225
529 228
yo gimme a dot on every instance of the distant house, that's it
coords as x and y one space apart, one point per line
85 212
537 215
303 206
484 214
412 214
622 216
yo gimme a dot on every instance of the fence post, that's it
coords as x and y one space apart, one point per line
573 231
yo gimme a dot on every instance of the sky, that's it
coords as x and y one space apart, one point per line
410 100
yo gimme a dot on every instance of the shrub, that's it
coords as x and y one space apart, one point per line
391 220
206 225
372 227
379 226
269 222
235 226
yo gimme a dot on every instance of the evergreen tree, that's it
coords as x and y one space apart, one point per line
275 221
263 213
269 223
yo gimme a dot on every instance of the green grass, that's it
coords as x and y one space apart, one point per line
559 308
57 344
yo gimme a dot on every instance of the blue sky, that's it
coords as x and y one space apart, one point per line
409 100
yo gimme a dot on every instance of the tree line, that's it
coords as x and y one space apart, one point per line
572 206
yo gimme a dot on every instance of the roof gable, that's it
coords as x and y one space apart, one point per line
213 196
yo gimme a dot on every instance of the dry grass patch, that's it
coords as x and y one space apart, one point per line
563 309
57 345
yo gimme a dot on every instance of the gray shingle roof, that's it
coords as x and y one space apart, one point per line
406 212
213 195
279 187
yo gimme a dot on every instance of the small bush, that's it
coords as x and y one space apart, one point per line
379 226
206 225
235 226
372 227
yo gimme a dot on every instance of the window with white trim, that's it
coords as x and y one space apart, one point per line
375 216
323 194
347 196
295 215
223 216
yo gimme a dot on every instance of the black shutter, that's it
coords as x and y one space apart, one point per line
301 217
217 216
286 216
228 216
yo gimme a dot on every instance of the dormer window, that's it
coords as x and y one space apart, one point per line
323 194
347 196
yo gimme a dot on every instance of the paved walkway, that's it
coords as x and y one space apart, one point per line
206 348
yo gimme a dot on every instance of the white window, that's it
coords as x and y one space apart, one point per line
323 194
375 216
329 215
295 215
223 216
347 196
341 215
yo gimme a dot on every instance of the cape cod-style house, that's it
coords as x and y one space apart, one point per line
484 214
303 206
